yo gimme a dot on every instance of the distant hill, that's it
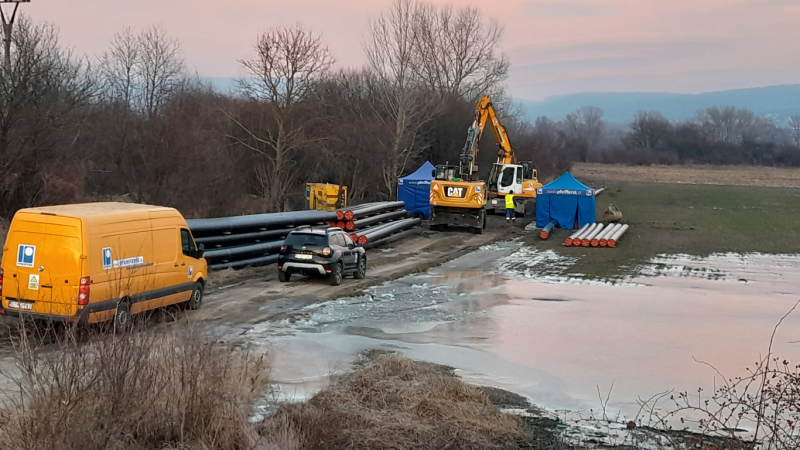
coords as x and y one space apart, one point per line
775 102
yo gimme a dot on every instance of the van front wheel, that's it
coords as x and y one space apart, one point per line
197 297
122 318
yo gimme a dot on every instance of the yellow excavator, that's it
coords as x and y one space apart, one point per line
507 174
457 199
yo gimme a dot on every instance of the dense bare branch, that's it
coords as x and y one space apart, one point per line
287 64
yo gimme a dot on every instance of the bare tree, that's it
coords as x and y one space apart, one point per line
585 124
119 68
398 97
39 99
162 67
288 63
457 52
648 129
348 155
731 125
143 70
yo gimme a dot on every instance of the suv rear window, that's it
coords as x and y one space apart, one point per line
306 240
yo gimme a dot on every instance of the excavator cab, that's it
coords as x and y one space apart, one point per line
446 172
505 178
528 172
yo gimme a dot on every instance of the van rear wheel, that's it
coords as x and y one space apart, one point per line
197 297
123 320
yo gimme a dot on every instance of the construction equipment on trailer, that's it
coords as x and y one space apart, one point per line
325 197
507 175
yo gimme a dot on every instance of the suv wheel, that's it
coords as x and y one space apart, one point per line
336 275
284 276
361 272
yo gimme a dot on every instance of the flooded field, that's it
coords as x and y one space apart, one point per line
506 316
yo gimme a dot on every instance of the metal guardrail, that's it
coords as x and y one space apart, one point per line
255 240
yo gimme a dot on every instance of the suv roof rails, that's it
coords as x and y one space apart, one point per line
302 227
333 229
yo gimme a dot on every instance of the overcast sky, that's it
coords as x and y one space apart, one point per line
556 46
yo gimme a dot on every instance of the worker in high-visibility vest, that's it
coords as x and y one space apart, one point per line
510 213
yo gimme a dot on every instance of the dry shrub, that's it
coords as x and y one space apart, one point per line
168 388
397 403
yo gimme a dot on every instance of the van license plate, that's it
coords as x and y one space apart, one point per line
301 256
20 305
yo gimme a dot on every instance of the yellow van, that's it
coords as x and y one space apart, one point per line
92 262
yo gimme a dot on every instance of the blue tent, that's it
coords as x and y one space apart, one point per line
564 200
415 190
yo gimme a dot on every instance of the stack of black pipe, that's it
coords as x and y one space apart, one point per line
255 240
376 224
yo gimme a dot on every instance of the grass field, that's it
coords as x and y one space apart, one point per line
692 219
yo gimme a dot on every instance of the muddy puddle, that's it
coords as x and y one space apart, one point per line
506 316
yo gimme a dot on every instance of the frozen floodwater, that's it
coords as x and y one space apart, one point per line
506 316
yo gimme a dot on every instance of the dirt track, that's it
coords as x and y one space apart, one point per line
723 175
255 295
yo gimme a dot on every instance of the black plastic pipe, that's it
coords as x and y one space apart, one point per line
375 233
273 220
233 253
394 237
378 208
260 261
229 239
385 217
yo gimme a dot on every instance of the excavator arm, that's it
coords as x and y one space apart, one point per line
505 154
484 111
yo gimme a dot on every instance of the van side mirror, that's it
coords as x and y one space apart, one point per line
200 250
433 173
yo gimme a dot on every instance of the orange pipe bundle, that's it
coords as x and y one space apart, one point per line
587 238
604 239
612 242
568 241
576 241
596 239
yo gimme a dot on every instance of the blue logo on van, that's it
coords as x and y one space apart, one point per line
26 254
107 258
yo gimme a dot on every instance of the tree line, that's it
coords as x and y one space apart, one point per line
716 135
134 122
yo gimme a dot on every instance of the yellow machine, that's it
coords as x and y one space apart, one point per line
94 262
507 175
325 197
456 198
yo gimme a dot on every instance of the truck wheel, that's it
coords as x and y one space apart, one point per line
361 273
197 297
530 208
284 276
123 320
482 225
336 275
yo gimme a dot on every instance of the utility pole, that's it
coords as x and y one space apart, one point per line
8 24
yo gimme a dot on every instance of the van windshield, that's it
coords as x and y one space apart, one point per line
306 240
